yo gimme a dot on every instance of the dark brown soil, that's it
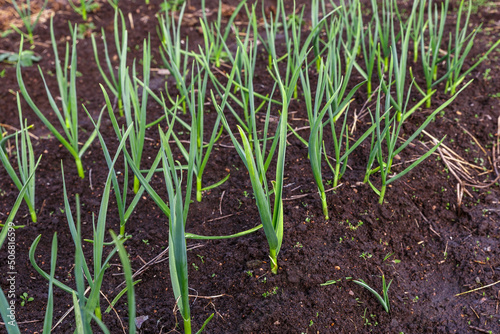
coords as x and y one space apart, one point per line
438 250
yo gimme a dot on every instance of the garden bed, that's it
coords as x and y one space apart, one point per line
420 238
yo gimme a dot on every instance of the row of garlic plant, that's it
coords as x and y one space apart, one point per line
335 57
86 308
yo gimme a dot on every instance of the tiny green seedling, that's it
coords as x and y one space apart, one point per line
68 114
331 282
84 30
388 256
355 227
384 301
25 299
271 292
366 255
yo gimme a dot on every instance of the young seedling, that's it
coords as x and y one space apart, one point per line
85 7
257 164
245 63
177 222
384 299
25 162
214 40
316 116
195 97
418 27
127 271
67 114
245 72
24 11
114 82
369 43
459 48
47 323
171 51
351 22
25 299
170 35
177 211
124 211
430 53
8 228
134 108
384 24
331 86
315 12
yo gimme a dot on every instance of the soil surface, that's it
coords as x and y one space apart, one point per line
420 238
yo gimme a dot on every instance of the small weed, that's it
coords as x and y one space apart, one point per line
271 292
487 75
85 30
366 255
366 319
353 227
388 256
25 298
